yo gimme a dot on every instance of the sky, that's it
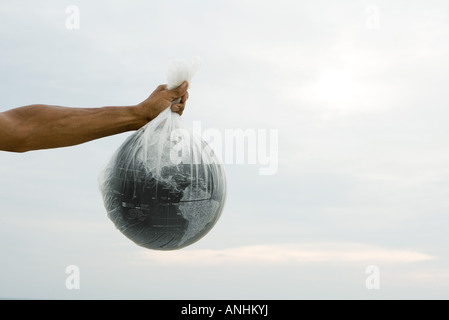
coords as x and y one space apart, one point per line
357 206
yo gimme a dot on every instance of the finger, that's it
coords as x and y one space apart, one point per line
181 109
179 91
185 97
161 87
178 108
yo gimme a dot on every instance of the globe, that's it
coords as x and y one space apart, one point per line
164 209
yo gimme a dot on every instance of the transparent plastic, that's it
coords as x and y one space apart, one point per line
164 188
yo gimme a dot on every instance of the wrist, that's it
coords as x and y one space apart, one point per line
139 115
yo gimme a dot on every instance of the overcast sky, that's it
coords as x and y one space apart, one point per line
356 91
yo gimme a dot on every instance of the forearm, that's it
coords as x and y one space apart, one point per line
44 126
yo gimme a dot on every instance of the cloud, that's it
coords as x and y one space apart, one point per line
285 254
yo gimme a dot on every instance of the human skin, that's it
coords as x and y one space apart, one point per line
41 126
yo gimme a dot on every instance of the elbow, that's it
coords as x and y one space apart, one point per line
21 146
13 136
16 145
21 150
15 149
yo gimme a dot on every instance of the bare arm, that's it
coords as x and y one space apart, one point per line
44 126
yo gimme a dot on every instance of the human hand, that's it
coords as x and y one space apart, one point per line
161 98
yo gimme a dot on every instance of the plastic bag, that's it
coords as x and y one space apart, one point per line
164 188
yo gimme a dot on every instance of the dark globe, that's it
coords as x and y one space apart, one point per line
165 209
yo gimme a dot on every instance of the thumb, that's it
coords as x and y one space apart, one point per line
179 91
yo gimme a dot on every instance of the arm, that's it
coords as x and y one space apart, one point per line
43 126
